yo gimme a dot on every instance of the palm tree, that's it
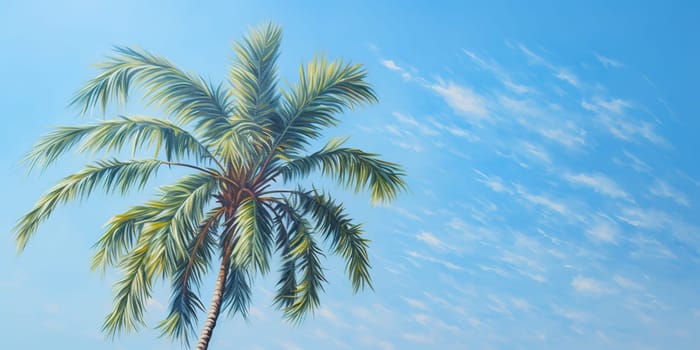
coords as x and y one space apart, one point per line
244 144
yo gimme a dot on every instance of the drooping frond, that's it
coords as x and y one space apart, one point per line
183 207
254 75
113 135
180 208
286 217
113 175
324 90
164 241
307 255
352 168
345 237
237 291
186 97
184 302
122 232
132 291
254 238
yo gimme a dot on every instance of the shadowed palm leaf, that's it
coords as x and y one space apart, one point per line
244 143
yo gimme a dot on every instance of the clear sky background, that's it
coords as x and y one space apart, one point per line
551 150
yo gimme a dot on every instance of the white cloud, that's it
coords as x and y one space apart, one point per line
409 120
627 283
431 240
664 190
589 286
599 183
391 65
542 200
415 303
499 72
493 182
603 231
633 162
608 62
444 263
463 100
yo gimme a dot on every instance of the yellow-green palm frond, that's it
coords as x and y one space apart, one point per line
113 175
307 257
352 168
184 302
325 89
186 97
253 237
113 135
345 238
254 75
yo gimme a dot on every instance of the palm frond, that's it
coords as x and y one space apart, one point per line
253 242
132 291
346 238
184 302
287 282
352 168
324 90
307 255
237 292
113 175
183 205
187 97
254 75
113 135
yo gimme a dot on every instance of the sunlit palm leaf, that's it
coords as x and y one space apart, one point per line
113 135
254 241
352 168
113 175
254 75
184 302
188 98
346 238
307 254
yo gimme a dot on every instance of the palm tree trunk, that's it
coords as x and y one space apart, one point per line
216 300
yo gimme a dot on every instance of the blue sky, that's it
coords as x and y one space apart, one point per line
551 153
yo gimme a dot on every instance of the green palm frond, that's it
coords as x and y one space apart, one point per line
307 255
113 135
184 302
286 216
237 292
187 97
180 207
253 237
325 89
113 175
352 168
122 232
132 291
254 75
346 238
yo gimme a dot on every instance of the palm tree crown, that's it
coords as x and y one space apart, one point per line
245 145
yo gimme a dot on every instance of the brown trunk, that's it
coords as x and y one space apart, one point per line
215 307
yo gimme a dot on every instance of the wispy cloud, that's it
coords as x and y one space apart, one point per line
664 190
463 100
560 73
608 62
430 239
589 286
499 72
391 65
431 259
603 231
627 283
599 183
